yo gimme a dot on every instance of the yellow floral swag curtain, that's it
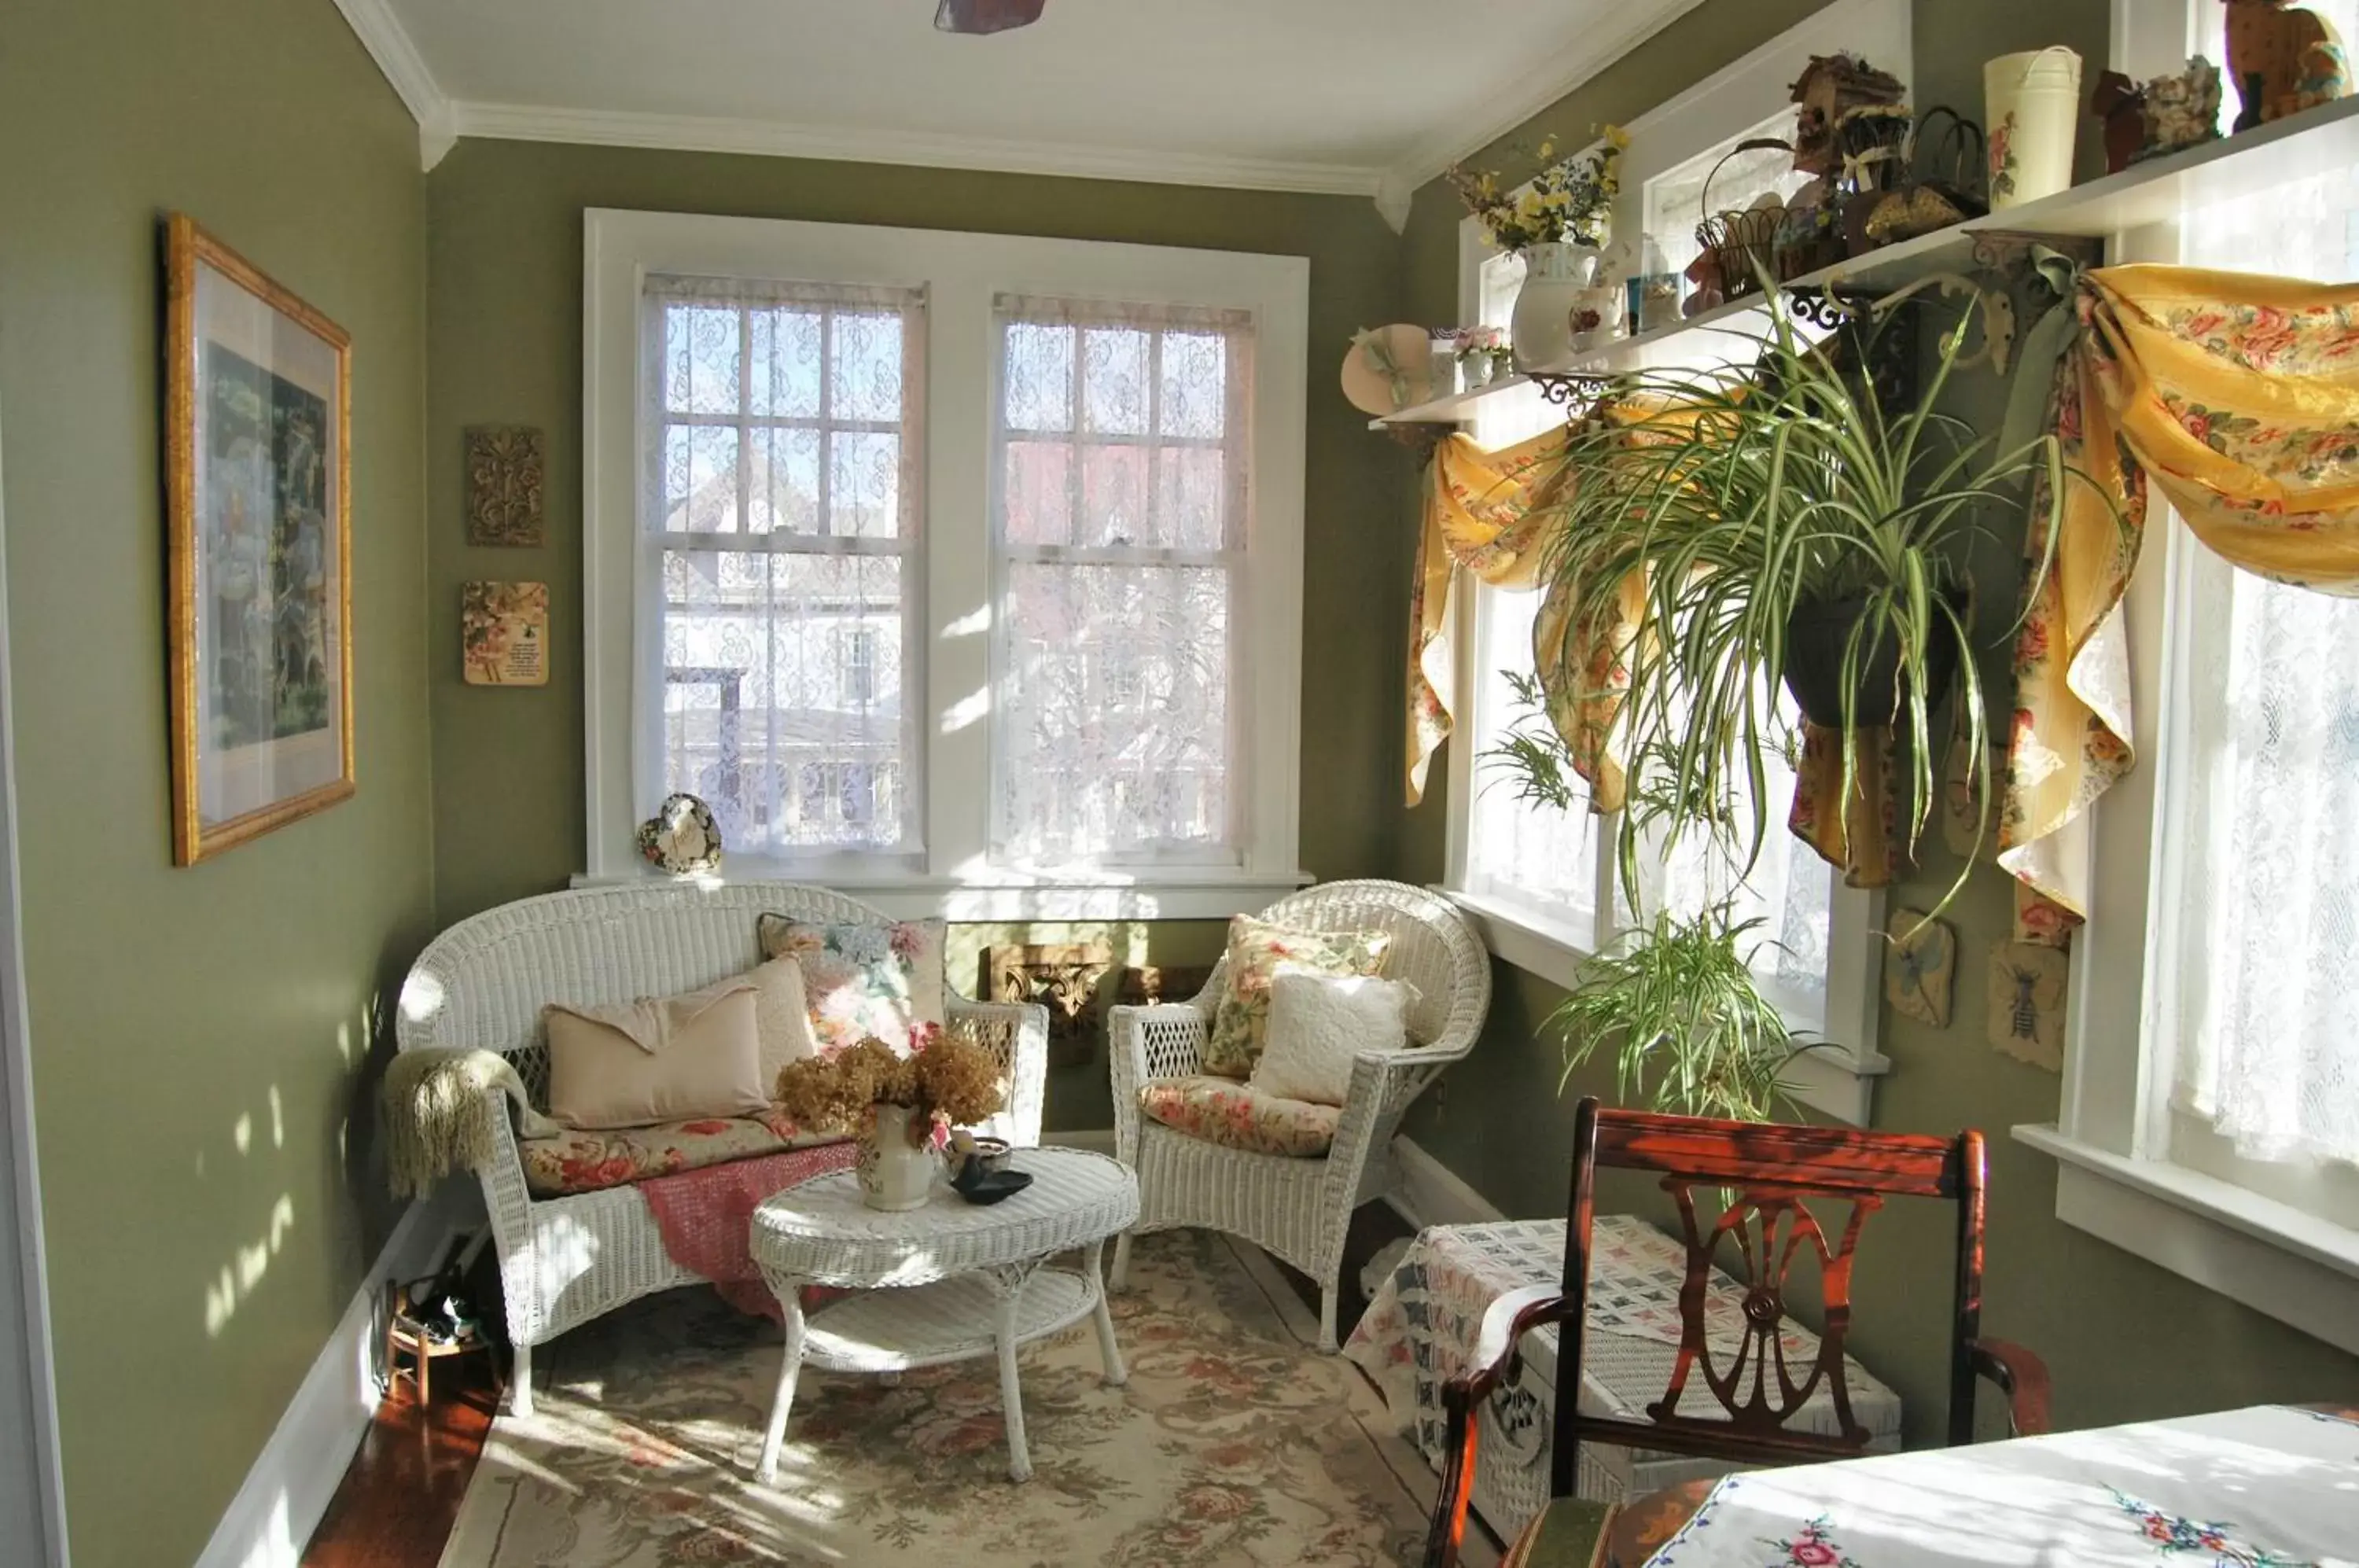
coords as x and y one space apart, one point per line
1484 512
2238 396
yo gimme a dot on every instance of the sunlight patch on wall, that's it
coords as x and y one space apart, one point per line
238 1277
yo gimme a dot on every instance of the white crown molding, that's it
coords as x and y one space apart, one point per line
387 42
1519 101
687 133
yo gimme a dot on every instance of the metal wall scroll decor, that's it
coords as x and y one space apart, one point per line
506 465
1062 976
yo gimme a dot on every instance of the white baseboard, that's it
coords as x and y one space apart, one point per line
1097 1141
1431 1193
271 1520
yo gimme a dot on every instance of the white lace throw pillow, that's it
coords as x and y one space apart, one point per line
1319 1022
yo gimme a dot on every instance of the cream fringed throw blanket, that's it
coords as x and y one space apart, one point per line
438 1111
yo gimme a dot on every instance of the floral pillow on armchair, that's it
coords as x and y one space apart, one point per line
1257 949
863 980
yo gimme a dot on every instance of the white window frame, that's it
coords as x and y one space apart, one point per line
953 589
1838 1080
2116 1179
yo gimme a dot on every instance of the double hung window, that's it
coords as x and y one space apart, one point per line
934 561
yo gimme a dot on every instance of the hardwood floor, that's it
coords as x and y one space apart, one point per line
401 1496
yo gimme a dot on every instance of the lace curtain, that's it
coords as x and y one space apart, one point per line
779 480
1120 460
2264 999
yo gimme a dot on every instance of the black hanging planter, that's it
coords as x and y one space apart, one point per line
1817 633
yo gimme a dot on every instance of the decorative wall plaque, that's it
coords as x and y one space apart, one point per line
1919 963
2026 1003
1062 977
506 465
1150 985
504 633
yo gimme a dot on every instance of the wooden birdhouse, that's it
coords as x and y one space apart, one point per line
1830 87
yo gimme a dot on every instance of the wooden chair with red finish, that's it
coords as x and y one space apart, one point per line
1776 1171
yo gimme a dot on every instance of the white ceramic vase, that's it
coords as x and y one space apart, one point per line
2032 101
893 1175
1541 330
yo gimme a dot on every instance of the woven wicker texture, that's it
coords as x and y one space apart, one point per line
482 985
1300 1208
821 1233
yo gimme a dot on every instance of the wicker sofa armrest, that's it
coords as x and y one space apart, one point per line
1162 1042
1018 1033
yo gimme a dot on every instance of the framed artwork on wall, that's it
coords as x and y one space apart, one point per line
258 458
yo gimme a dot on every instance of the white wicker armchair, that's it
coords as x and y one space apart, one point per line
1300 1208
483 983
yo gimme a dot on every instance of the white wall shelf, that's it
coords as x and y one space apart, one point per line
2157 191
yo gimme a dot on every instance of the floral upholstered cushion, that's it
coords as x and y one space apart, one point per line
864 980
1256 948
586 1160
1238 1115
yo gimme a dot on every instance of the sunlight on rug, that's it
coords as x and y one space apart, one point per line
1234 1443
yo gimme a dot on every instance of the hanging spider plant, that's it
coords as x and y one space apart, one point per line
1784 526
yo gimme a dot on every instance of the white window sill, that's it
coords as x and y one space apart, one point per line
1835 1080
2275 1258
1171 893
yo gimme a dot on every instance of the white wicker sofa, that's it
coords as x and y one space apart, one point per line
483 983
1301 1207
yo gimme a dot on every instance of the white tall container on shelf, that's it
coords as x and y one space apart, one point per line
2032 107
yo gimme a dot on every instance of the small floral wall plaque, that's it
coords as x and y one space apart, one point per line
504 627
506 465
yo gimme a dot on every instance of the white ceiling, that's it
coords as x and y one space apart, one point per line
1300 94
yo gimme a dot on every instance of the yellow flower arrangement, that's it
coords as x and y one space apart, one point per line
1569 200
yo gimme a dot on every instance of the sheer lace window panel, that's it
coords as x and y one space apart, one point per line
2258 991
780 507
1119 526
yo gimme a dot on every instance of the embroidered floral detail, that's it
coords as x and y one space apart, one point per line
2174 1536
1812 1546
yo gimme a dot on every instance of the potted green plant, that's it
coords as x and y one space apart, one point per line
1790 532
1692 1033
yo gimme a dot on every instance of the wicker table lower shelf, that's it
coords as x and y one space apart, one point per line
951 1320
944 1282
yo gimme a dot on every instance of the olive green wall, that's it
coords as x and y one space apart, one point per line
2124 1339
505 240
197 1035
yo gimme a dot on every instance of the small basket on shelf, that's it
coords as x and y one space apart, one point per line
1934 197
1739 247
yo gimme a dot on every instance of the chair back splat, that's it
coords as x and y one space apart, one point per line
1757 1200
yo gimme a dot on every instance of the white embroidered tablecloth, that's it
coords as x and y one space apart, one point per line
1420 1329
2267 1488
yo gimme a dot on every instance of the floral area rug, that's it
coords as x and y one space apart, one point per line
1234 1443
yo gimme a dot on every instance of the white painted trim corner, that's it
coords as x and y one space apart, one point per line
1431 1193
294 1478
388 44
2264 1255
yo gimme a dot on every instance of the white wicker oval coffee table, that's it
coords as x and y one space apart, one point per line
947 1282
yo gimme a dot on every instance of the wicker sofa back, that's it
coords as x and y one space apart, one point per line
482 985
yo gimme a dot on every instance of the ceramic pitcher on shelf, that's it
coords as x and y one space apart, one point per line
2032 105
1541 329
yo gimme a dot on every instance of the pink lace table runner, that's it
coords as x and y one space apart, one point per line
706 1217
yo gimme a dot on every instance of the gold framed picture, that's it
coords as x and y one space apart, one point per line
258 454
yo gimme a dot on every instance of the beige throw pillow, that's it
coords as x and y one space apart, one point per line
657 1060
781 1019
1317 1023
